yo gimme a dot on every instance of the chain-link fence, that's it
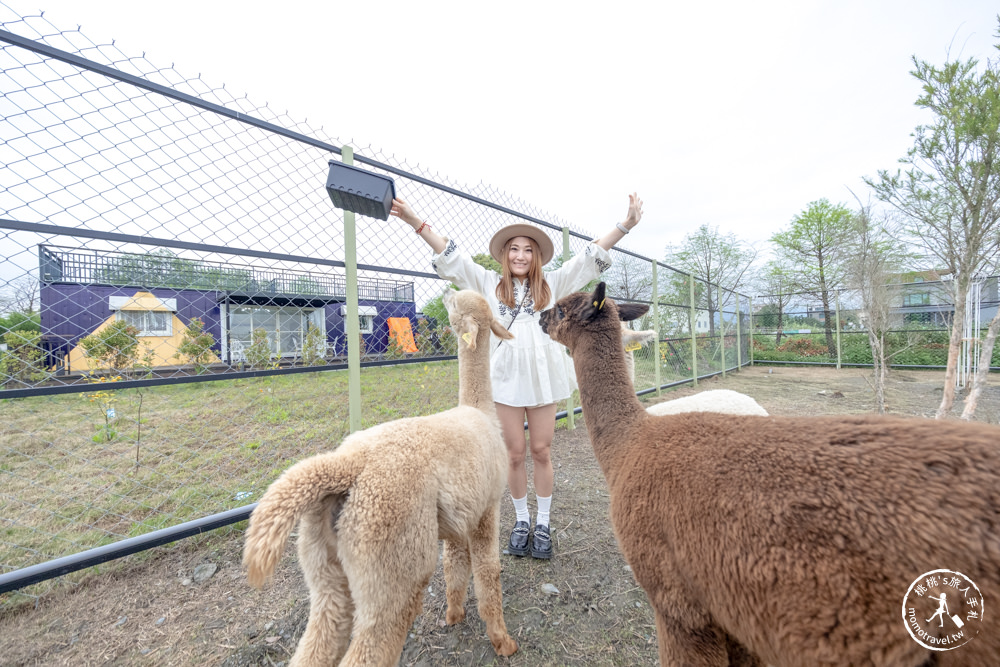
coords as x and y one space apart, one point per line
803 328
176 292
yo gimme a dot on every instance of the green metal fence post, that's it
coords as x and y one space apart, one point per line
722 330
751 331
838 329
352 328
739 343
656 328
694 340
570 404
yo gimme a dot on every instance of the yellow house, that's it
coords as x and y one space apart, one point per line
160 331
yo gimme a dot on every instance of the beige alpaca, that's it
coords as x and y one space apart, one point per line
785 540
372 512
633 340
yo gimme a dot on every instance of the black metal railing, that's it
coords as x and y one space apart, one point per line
161 269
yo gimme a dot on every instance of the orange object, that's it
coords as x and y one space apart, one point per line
401 332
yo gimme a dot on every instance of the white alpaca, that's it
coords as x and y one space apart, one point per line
725 401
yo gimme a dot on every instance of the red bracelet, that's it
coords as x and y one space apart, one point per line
421 228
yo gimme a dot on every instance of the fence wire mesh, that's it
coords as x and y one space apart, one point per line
174 295
801 328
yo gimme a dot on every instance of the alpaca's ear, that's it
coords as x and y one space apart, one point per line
471 331
596 303
498 329
631 311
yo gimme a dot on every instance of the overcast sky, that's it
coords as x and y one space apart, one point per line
730 114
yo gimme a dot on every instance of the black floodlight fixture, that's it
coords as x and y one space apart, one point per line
361 191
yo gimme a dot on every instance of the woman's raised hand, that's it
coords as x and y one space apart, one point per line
634 211
402 210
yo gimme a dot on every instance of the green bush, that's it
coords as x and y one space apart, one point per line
23 360
905 348
116 347
196 345
20 322
314 347
259 352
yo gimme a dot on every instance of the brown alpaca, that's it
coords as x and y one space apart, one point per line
372 512
786 541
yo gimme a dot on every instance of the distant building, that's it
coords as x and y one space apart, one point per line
84 290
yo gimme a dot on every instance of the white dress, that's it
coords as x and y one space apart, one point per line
532 369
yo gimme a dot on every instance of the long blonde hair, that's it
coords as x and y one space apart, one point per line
540 292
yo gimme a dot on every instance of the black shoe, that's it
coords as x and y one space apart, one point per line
518 543
541 544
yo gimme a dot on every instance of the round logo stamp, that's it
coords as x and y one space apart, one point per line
943 610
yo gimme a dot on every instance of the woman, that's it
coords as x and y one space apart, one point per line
532 372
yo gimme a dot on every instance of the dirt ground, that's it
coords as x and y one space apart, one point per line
582 608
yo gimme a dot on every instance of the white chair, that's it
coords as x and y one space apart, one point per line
237 353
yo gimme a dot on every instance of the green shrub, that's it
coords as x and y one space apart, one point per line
20 322
314 347
116 347
196 345
23 360
259 352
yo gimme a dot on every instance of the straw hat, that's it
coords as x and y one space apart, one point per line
540 238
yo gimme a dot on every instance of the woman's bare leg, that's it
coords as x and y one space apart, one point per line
541 431
512 425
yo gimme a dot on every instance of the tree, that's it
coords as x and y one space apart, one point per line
714 258
115 348
875 258
815 246
777 286
19 321
196 345
629 279
23 360
949 191
981 377
20 296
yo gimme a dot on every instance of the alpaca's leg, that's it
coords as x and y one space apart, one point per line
698 647
331 609
379 635
457 567
486 575
388 578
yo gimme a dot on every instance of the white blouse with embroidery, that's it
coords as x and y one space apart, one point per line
532 369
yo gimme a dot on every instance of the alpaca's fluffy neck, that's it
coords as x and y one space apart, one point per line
610 405
474 386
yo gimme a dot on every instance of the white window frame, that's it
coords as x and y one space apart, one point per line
146 318
366 318
314 316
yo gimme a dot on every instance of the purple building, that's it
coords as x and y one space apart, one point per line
82 289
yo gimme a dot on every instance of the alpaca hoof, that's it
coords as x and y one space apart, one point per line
454 615
507 646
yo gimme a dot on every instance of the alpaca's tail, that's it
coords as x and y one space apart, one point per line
301 486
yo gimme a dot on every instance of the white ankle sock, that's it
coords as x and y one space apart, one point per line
544 504
521 507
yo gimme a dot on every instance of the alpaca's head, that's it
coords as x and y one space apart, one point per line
472 319
632 341
582 315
